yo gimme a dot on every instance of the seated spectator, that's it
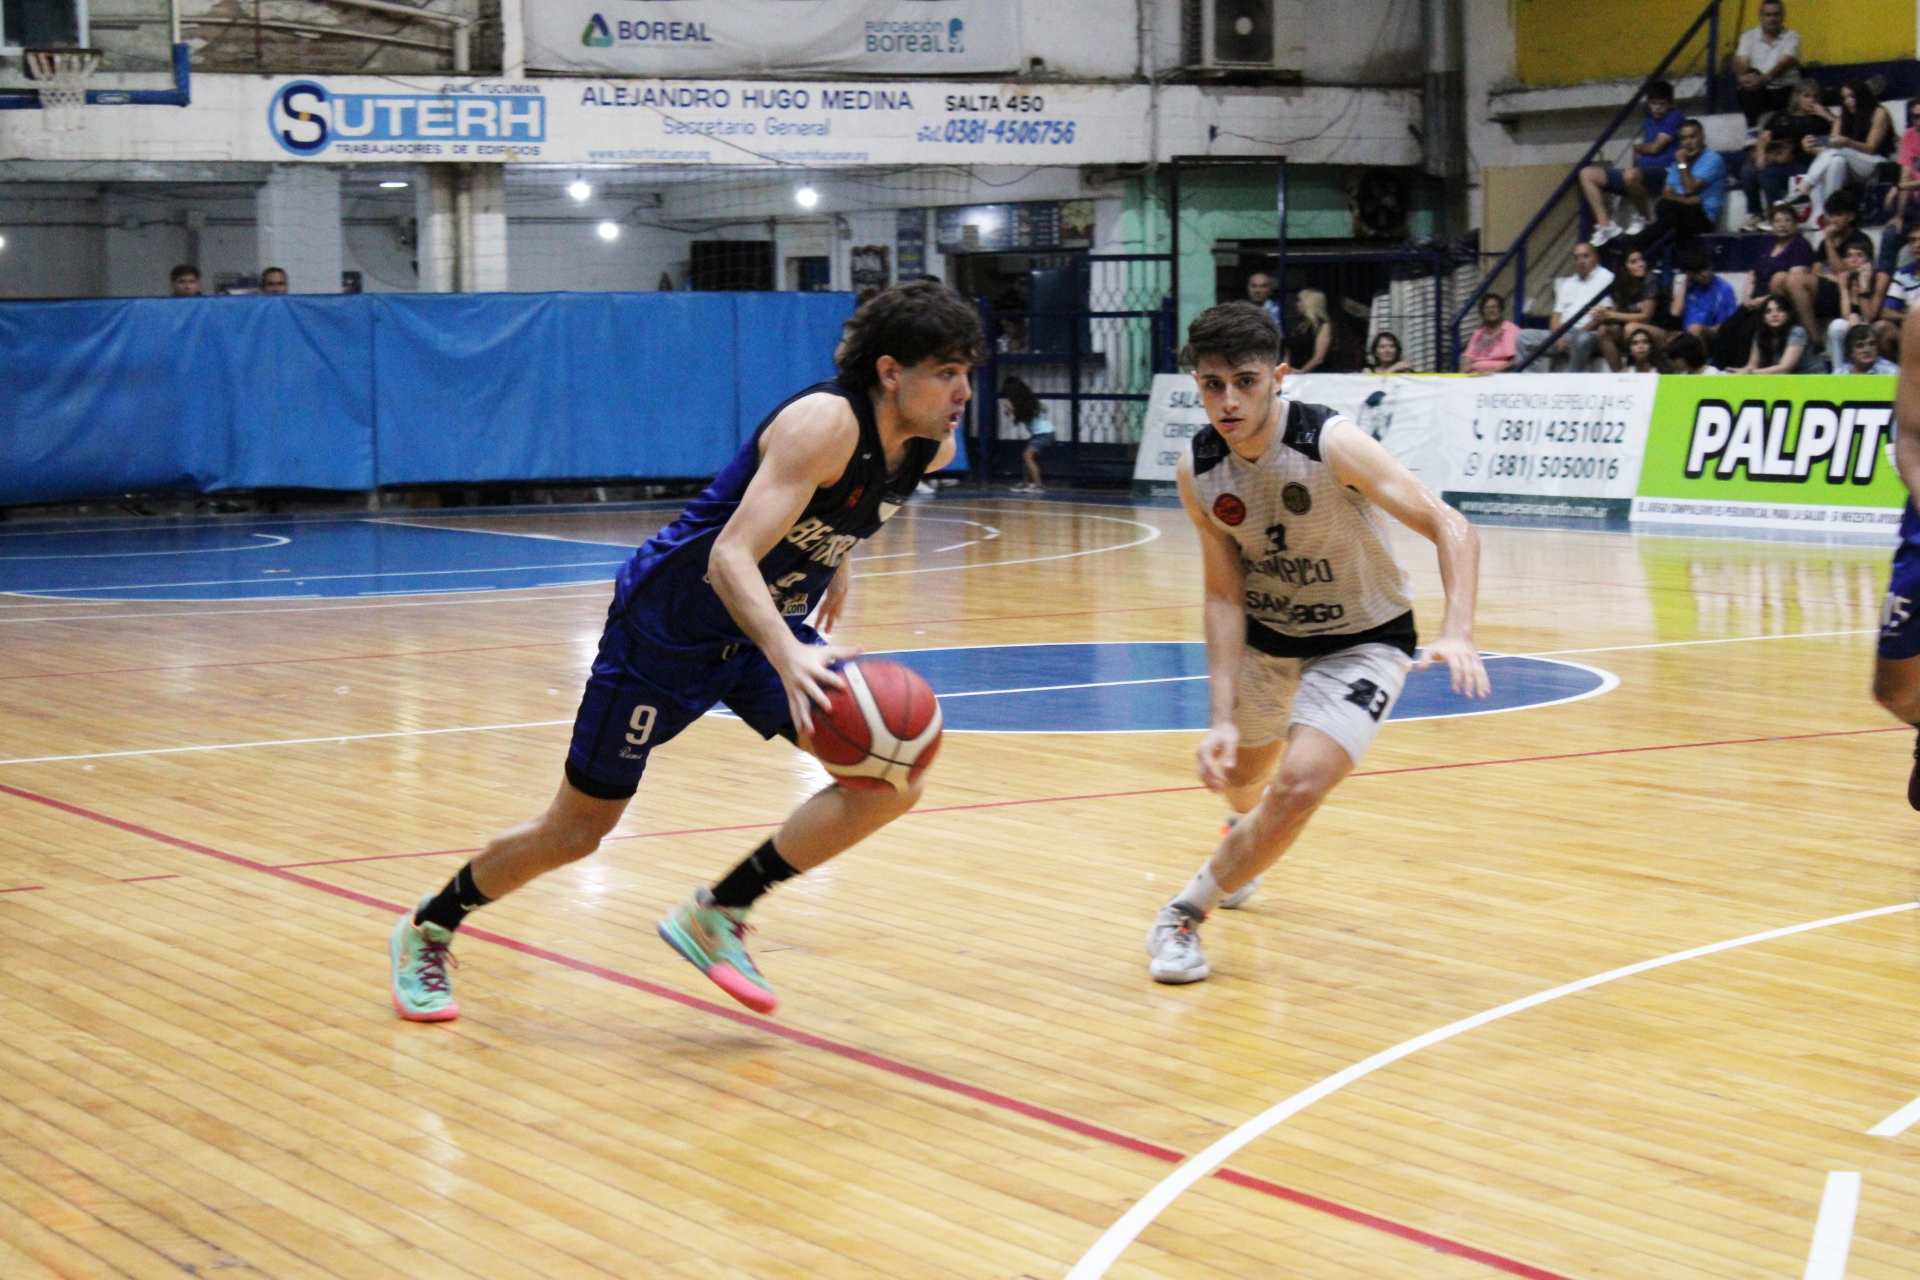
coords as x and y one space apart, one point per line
1641 353
1491 347
1901 204
1765 62
1659 130
1696 191
1309 335
1687 354
1862 291
1634 306
1861 138
1903 293
1816 296
1701 299
1781 345
1571 294
1784 150
1787 270
1385 357
185 281
1863 353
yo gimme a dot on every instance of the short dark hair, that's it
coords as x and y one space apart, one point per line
1845 200
1661 89
1232 331
267 271
910 322
1691 122
1859 333
1695 258
1491 296
1858 240
1687 349
181 272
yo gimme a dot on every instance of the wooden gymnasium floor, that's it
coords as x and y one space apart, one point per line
971 1075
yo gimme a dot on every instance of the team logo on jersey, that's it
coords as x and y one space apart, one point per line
1296 499
1229 510
853 499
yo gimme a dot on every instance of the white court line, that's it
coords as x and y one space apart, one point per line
1681 644
273 540
289 742
1108 1247
302 578
1897 1123
1833 1233
509 596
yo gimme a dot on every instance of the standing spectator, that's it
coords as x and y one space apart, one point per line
1491 347
1571 294
1862 137
273 280
1701 299
1781 345
1903 293
1659 133
1384 356
1863 353
1862 291
1260 294
1905 210
1784 150
1764 62
1634 307
1026 409
1641 352
185 281
1687 354
1310 334
1696 191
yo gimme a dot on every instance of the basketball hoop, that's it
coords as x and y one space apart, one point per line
63 75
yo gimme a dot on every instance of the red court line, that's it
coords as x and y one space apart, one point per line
25 888
851 1053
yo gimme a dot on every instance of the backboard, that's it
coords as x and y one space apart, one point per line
135 39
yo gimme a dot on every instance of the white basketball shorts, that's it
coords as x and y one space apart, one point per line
1345 695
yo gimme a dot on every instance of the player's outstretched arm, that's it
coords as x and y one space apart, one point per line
806 448
1362 463
1226 628
1906 405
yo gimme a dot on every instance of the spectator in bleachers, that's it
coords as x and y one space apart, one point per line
1816 296
1642 354
1385 354
1634 307
1309 335
1862 291
1571 294
1260 294
1785 149
184 280
1903 292
1491 347
1787 270
1695 193
1861 138
1781 344
1863 353
1687 354
273 280
1764 62
1901 204
1701 299
1659 133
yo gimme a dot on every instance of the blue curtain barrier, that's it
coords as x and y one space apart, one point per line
135 395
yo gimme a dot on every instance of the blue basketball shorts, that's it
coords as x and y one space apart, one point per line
1900 611
641 696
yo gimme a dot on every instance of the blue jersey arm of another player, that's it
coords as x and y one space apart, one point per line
1906 404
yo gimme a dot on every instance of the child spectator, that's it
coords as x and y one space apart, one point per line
1816 296
1687 354
1764 62
1025 408
1384 356
1641 352
1781 345
1862 137
1492 347
1863 353
1652 154
1701 299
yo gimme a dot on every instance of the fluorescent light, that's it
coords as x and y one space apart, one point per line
609 231
392 184
806 197
580 191
3 242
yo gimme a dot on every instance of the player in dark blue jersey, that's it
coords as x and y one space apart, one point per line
1896 670
714 609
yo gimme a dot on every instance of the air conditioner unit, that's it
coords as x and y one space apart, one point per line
1242 35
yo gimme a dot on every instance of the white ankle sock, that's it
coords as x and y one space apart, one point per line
1203 892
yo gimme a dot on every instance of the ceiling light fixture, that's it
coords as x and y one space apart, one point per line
580 190
393 184
609 231
806 197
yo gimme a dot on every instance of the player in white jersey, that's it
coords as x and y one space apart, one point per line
1309 623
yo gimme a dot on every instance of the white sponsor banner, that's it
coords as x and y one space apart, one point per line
1174 413
1766 515
1546 444
746 37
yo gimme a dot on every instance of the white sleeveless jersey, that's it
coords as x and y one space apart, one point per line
1320 570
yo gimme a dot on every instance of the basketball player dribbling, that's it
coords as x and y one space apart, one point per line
1308 620
714 609
1896 667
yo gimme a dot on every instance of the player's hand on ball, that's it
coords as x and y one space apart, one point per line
1468 673
807 672
1219 751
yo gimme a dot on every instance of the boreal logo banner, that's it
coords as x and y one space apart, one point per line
787 37
1792 451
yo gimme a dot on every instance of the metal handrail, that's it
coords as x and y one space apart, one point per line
1567 325
1709 17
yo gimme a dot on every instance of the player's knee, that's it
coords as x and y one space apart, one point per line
1295 792
1898 693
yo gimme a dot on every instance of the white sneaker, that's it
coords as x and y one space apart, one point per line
1174 943
1604 233
1239 896
1637 225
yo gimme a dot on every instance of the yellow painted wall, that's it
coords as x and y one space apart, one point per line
1572 41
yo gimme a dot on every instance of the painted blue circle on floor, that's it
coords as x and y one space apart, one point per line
1147 686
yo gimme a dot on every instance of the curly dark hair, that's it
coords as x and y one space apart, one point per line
910 322
1234 331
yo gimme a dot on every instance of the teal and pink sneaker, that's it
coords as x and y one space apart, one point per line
420 955
711 938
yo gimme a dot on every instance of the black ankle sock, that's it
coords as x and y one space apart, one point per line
450 906
762 869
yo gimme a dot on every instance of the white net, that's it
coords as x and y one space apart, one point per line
62 76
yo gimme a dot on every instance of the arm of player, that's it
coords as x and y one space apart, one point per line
1362 463
1906 405
807 447
1224 603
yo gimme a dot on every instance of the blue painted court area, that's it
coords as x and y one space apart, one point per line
265 559
1147 686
